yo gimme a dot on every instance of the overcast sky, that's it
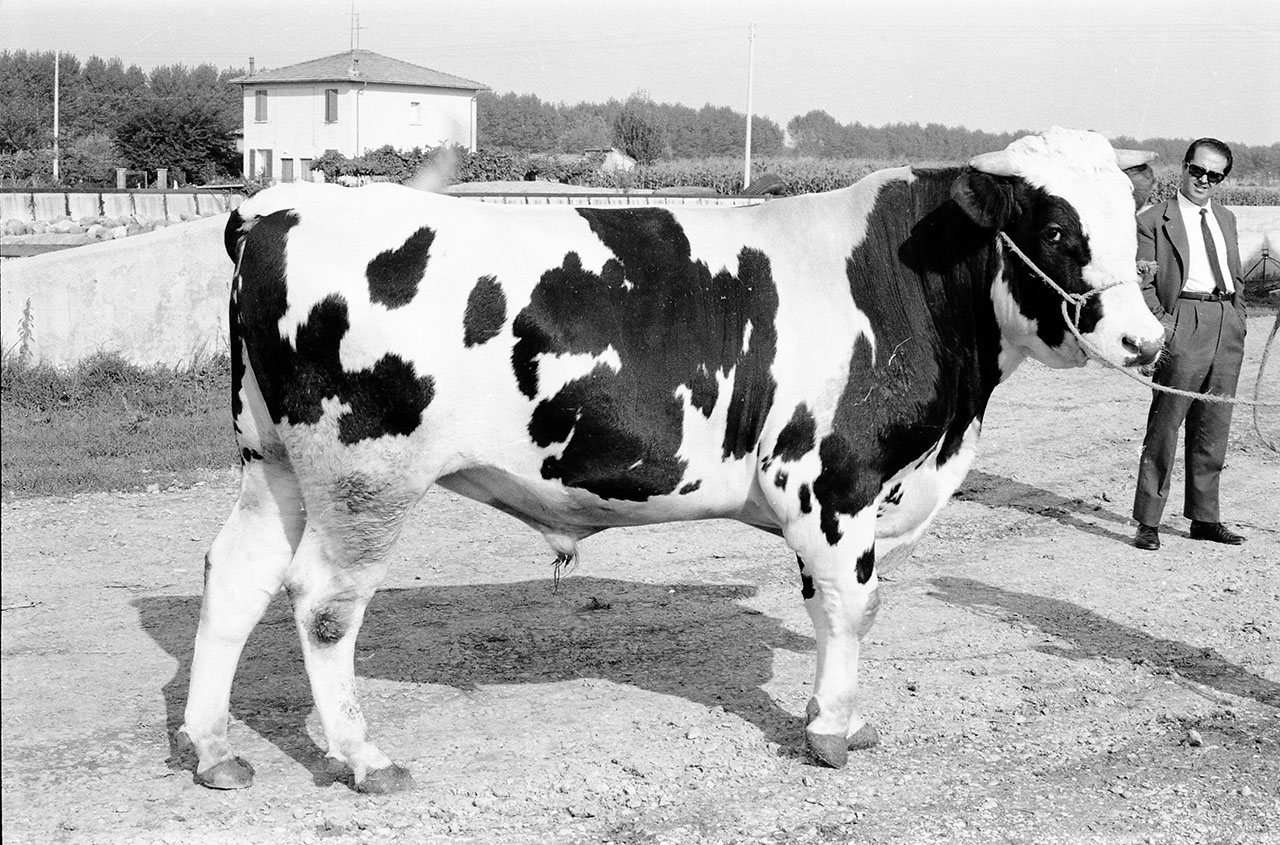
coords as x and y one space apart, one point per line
1143 68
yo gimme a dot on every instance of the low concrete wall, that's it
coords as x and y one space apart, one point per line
158 297
162 296
173 206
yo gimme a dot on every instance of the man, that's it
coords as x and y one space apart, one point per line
1196 293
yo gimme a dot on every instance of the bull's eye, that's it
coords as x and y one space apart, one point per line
1052 235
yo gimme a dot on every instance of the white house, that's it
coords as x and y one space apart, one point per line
350 102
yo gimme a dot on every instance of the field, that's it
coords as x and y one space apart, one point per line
1034 678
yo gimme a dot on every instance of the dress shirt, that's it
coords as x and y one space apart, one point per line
1199 274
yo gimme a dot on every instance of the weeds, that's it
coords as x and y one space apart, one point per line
107 424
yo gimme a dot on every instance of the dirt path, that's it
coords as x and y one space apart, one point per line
1034 678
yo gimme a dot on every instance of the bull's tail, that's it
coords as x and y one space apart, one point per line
256 434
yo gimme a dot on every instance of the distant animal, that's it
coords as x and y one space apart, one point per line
816 366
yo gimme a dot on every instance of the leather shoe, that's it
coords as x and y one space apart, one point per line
1215 532
1148 537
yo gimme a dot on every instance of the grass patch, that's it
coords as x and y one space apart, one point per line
106 424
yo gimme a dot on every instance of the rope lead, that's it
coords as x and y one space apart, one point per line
1079 300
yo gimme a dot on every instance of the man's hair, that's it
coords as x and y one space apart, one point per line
1213 144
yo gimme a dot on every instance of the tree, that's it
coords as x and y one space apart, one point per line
585 130
517 122
818 134
638 130
26 100
91 160
191 139
106 93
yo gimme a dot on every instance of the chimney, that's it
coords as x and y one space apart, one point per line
251 65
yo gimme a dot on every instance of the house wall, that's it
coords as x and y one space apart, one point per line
369 116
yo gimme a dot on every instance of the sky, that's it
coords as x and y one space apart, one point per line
1139 68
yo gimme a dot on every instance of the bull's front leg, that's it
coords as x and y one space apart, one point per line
839 585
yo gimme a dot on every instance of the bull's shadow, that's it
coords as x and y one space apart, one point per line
1089 635
996 491
695 641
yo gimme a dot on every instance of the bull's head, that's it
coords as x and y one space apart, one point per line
1063 198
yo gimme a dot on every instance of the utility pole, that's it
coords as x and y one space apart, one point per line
746 156
56 57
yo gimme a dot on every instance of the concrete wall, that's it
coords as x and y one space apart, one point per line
162 296
49 206
158 297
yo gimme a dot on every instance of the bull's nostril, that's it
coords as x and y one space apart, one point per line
1143 352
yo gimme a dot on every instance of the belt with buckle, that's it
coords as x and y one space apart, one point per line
1212 296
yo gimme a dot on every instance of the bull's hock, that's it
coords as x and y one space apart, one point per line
161 296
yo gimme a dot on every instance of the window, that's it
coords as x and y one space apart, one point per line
415 114
264 164
260 106
331 105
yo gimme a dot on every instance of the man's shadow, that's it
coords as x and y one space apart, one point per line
695 641
1089 635
998 491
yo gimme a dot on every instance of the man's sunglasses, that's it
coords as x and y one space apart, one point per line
1198 172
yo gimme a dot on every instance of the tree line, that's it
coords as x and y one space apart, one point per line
186 119
111 116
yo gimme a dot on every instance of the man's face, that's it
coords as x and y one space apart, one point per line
1210 165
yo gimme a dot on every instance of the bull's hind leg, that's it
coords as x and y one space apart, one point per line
339 564
243 570
840 591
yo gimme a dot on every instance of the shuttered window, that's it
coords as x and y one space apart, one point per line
331 105
260 106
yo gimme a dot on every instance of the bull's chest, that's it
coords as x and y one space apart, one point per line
910 500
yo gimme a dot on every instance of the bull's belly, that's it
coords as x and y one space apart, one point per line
553 507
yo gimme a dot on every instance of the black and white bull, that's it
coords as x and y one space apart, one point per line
815 366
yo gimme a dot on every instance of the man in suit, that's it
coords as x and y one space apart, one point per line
1197 293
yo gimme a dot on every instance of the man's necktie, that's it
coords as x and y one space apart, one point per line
1219 283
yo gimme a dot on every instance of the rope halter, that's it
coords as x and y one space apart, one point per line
1079 299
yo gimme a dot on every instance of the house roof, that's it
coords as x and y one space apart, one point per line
361 66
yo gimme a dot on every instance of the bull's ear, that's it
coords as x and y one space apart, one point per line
987 199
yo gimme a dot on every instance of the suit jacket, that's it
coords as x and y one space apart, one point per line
1163 239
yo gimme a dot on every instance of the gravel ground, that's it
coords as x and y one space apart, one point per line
1034 678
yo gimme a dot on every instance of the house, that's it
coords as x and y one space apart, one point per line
349 102
612 159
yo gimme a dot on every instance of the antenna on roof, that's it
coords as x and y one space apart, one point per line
355 28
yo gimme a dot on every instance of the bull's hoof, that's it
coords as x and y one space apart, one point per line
235 773
828 749
384 781
864 737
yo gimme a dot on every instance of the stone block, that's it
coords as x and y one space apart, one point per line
117 206
50 207
16 206
149 206
84 205
181 207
